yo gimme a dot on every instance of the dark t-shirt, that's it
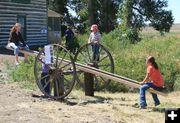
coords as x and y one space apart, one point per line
69 34
16 38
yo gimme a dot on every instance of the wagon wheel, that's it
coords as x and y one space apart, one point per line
99 56
57 79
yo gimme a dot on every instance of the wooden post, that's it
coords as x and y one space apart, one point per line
59 86
89 83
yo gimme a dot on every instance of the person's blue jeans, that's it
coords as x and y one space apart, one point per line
95 49
143 89
18 47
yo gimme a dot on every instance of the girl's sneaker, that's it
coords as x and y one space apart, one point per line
143 107
16 63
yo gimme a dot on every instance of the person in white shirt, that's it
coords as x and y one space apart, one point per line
95 38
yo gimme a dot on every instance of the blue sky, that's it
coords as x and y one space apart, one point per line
174 5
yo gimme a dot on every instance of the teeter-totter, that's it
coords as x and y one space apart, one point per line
93 72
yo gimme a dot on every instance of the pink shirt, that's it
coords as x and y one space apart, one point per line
155 76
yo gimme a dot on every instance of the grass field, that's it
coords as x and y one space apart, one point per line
174 28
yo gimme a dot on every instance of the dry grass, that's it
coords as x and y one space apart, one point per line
174 29
17 105
120 106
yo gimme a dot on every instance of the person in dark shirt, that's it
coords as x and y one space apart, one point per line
69 34
16 42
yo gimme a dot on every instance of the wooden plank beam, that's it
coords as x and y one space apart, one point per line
30 52
98 72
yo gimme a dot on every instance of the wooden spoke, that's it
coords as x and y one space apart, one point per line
44 77
103 79
62 59
69 64
57 56
84 59
101 59
96 82
90 59
57 87
46 84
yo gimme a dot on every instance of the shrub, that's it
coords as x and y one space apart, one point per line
24 72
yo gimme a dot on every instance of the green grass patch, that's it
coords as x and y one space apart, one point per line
130 58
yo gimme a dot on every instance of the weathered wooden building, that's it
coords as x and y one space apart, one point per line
54 27
32 14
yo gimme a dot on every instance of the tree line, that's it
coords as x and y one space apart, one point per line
128 15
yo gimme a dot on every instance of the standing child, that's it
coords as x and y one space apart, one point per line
95 38
153 80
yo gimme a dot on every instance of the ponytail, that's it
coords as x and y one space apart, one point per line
155 65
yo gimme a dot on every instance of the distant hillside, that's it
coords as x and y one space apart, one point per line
174 28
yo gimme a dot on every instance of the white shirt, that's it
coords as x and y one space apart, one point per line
95 37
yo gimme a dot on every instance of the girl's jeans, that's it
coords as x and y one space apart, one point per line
17 47
143 89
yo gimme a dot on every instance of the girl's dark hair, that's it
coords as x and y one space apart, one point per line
151 59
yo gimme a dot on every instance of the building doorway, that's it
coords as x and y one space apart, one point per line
22 20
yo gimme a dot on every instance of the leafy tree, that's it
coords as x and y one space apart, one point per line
58 6
101 12
135 14
108 14
92 11
81 9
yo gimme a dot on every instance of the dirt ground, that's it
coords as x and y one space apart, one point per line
18 105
